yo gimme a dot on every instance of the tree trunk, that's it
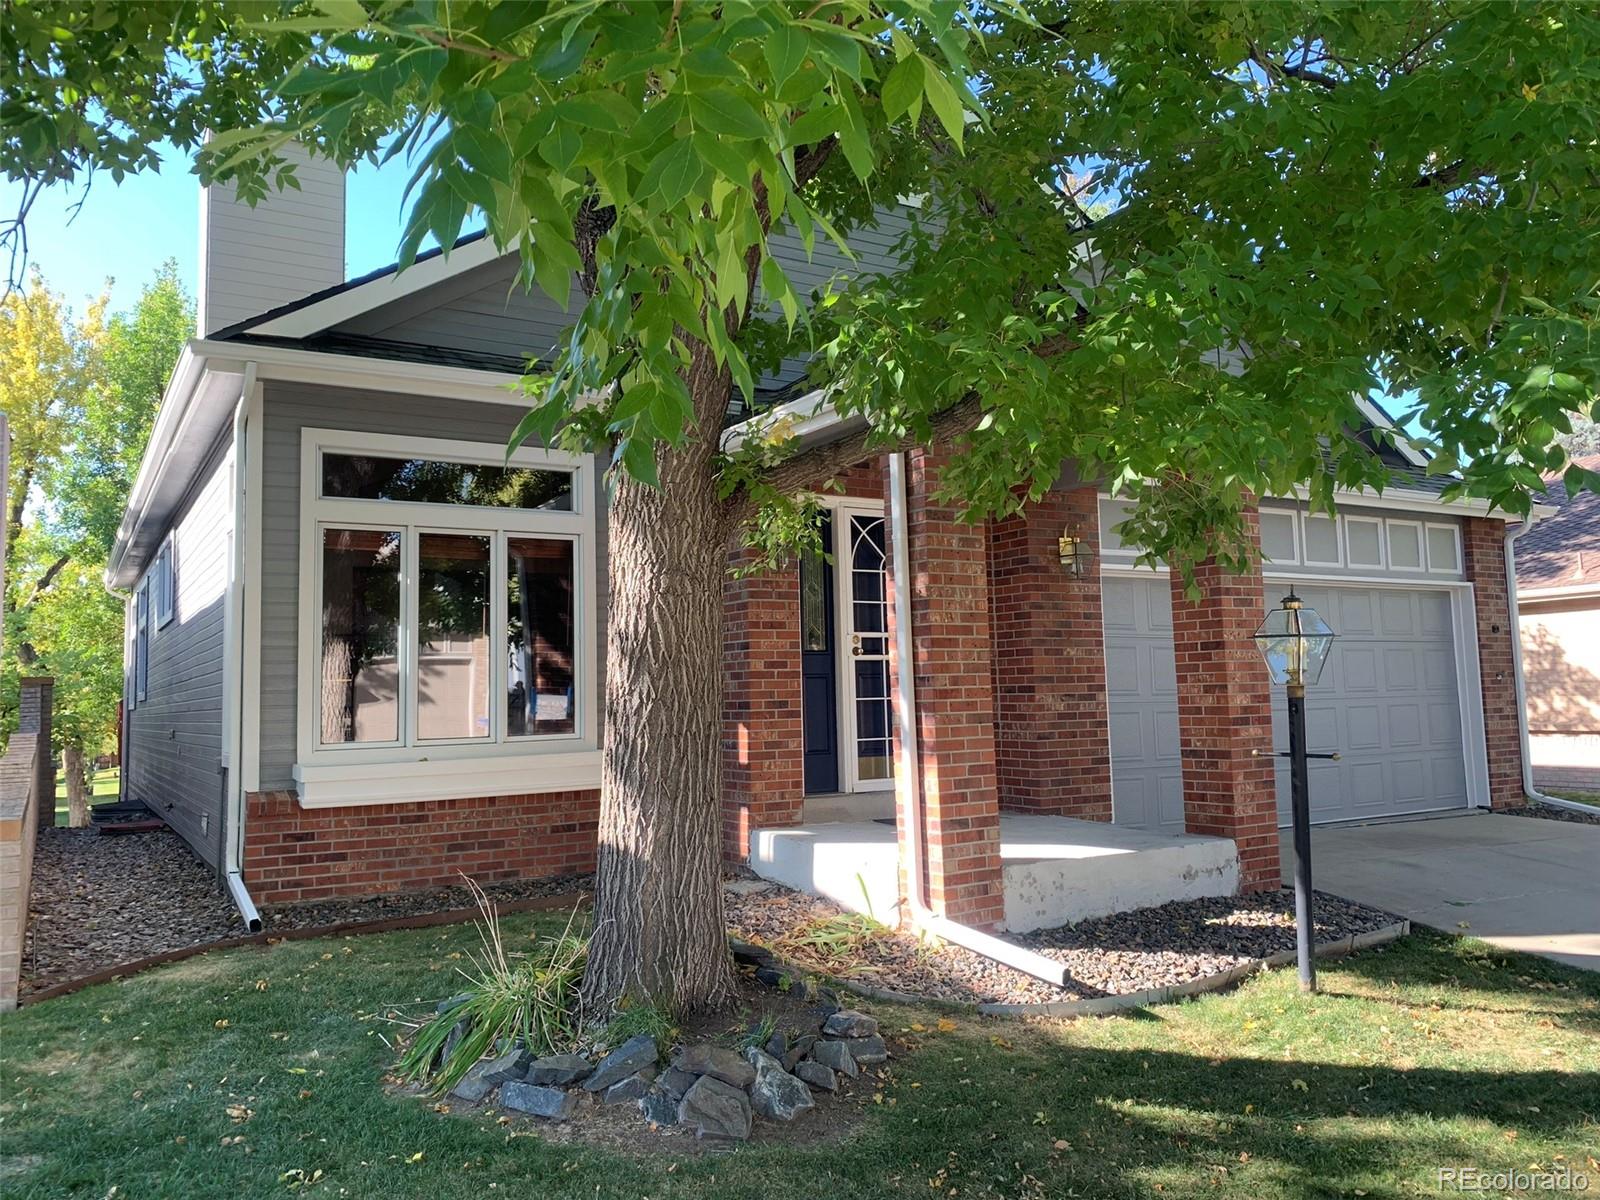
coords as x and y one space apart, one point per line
659 935
77 787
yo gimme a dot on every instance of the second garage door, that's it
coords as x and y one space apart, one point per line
1388 703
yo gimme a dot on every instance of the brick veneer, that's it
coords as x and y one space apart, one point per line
955 704
1484 560
1225 715
293 854
1051 739
762 734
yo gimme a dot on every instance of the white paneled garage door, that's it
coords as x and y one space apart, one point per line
1142 701
1388 703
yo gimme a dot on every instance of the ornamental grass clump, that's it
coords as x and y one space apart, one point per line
527 998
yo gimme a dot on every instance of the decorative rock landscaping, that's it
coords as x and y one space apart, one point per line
712 1091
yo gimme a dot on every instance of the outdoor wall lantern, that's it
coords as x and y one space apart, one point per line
1077 556
1295 643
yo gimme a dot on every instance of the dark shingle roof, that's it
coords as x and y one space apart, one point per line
1563 550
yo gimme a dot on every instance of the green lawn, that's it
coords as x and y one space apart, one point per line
1432 1053
1592 798
101 788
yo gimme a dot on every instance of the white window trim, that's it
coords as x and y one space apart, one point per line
1349 550
141 645
1456 568
164 603
1294 534
389 772
1305 541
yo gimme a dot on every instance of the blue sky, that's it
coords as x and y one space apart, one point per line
126 231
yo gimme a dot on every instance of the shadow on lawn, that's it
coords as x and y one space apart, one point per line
1441 962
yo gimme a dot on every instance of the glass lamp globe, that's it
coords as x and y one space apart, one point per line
1295 642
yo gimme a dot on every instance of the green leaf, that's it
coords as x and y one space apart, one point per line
903 88
785 51
946 103
723 111
602 110
672 174
638 458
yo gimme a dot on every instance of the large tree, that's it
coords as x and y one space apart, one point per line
1310 201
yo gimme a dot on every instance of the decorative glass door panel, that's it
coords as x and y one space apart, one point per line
867 644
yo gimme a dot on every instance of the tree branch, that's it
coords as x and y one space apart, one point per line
1304 74
810 162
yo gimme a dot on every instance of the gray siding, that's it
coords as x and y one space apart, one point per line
485 311
289 408
174 736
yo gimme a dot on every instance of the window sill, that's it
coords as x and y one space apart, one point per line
445 779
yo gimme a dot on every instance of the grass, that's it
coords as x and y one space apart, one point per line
244 1074
101 788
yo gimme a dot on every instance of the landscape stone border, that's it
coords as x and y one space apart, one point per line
1103 1005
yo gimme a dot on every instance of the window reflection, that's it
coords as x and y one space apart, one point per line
427 481
539 637
452 636
360 636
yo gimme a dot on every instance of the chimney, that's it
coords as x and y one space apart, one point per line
288 246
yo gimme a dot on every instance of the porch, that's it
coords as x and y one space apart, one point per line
1054 870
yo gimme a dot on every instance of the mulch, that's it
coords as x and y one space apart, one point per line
320 913
1549 812
1124 953
98 901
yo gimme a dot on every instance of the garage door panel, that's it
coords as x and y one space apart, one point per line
1127 734
1391 682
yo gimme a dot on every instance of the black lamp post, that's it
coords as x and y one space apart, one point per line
1295 642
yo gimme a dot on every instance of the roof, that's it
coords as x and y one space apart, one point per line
1563 550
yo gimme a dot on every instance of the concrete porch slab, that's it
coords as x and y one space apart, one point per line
1055 869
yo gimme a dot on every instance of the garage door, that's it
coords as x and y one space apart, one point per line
1142 702
1388 702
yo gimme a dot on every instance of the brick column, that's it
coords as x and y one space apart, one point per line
1051 737
1224 714
1483 556
955 704
762 736
35 706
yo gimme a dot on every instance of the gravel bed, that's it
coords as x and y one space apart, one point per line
100 900
317 913
1126 952
1549 812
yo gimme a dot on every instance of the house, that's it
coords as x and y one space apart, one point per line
365 651
1558 602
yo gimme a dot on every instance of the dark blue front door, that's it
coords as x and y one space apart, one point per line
818 669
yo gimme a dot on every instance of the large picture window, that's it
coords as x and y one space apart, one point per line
444 592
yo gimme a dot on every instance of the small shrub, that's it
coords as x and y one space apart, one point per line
529 997
831 943
760 1033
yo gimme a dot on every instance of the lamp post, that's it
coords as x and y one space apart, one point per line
1295 642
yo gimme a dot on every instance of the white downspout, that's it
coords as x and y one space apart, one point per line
1517 674
233 667
922 917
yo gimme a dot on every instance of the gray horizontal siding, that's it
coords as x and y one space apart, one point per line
174 737
288 409
486 311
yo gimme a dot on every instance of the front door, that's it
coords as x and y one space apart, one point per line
862 548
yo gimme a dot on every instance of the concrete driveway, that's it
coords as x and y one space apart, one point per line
1519 882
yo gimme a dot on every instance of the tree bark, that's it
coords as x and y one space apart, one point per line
659 935
77 787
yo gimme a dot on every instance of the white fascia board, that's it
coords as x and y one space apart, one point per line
375 293
1401 443
803 417
286 363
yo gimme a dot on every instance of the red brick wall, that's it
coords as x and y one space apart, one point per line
1225 714
1484 558
762 737
293 854
955 705
1051 739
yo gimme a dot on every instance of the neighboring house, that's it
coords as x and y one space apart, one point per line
1558 595
365 654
